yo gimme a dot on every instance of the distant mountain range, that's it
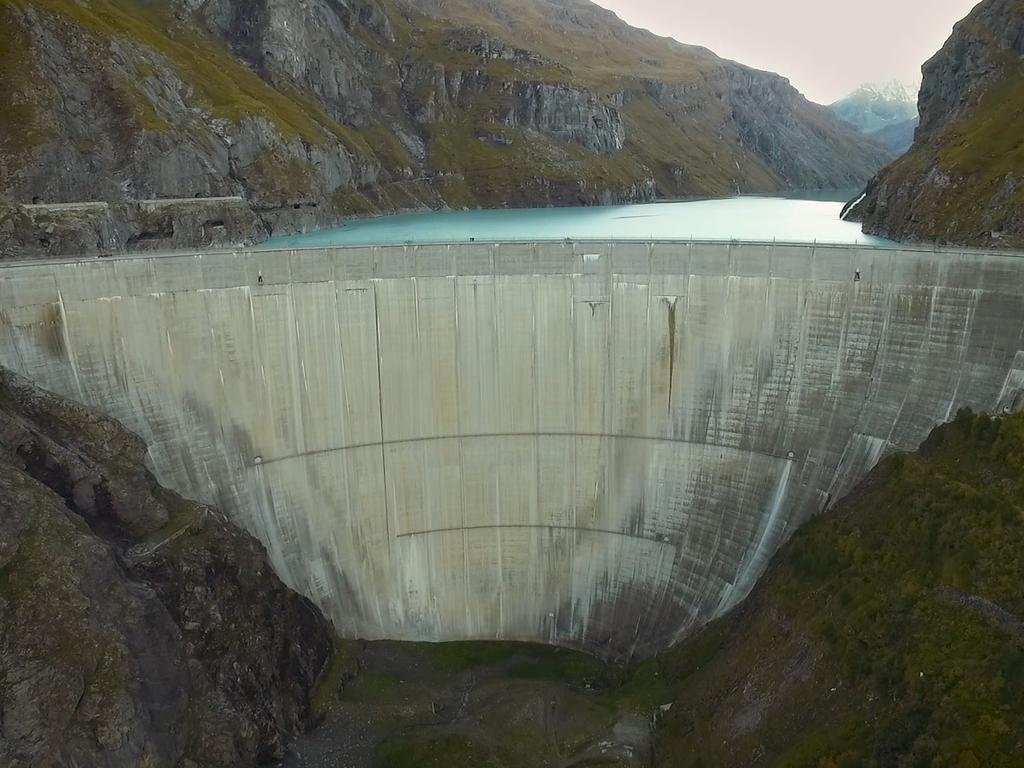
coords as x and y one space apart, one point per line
885 111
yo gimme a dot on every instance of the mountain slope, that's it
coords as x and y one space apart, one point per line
336 107
963 179
764 135
889 632
138 628
899 136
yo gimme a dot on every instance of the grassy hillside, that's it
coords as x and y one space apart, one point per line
888 633
223 86
698 137
578 35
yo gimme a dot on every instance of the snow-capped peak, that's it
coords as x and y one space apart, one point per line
901 91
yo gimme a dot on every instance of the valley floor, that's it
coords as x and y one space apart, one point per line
400 705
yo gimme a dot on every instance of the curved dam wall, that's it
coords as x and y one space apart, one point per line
591 444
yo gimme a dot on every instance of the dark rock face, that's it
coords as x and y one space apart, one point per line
785 130
571 114
15 229
98 229
963 179
311 112
139 629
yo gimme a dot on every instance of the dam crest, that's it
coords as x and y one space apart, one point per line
597 444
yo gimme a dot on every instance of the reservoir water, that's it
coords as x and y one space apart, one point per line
738 218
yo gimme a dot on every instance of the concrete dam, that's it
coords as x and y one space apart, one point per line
598 444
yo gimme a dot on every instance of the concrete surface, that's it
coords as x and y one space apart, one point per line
592 444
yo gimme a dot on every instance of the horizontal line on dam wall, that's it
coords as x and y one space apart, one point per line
663 540
484 435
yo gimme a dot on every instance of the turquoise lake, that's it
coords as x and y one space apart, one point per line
738 218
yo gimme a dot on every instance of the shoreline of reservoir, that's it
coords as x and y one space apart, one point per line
749 218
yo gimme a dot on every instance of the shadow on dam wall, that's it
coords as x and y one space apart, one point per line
593 444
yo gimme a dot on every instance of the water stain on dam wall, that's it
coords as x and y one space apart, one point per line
596 444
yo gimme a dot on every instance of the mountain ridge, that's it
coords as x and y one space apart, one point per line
315 113
885 111
962 182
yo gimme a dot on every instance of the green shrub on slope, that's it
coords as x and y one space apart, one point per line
888 633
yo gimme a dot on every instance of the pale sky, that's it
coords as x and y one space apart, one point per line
825 47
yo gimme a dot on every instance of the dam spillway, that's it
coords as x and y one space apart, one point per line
598 444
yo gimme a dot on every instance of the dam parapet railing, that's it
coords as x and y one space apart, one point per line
264 249
995 271
642 260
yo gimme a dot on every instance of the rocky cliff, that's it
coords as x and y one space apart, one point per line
315 111
963 179
138 628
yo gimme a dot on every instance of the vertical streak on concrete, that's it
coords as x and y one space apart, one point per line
496 309
68 349
605 511
671 347
535 500
260 495
422 364
459 421
766 544
574 429
380 414
297 369
968 322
